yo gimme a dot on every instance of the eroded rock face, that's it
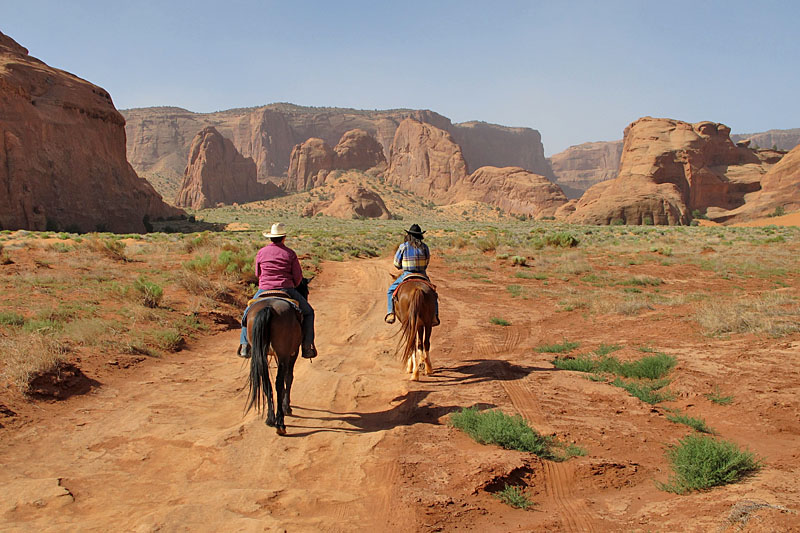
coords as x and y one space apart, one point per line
351 201
358 150
159 137
780 187
217 173
783 140
425 160
513 189
670 168
311 161
579 167
62 153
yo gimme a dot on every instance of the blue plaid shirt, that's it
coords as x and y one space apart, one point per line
412 259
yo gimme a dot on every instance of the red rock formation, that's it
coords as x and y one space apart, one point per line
357 150
511 188
218 174
311 161
780 187
351 201
784 140
159 137
670 168
579 167
425 160
62 153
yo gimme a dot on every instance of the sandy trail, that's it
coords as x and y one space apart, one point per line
166 447
170 449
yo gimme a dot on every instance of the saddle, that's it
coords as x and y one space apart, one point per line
414 277
275 294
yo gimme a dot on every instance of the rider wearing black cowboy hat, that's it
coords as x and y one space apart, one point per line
412 256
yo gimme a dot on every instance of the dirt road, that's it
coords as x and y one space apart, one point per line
169 448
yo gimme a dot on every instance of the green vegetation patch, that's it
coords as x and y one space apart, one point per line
698 424
563 347
515 497
497 321
700 462
716 396
648 367
509 432
647 391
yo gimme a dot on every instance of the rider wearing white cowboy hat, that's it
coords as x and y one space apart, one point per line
277 267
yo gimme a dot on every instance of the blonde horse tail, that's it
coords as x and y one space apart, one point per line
408 331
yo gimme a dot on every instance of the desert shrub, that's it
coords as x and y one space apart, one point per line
235 262
149 293
514 290
170 340
642 281
199 265
562 240
647 391
497 321
718 398
698 424
112 248
530 275
779 212
488 243
11 318
773 313
647 221
518 260
496 427
27 354
700 462
617 222
562 347
514 496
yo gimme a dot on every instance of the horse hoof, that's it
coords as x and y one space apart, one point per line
270 423
281 431
288 411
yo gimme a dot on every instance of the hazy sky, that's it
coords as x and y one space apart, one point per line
575 71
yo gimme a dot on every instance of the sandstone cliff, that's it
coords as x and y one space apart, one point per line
218 174
780 187
579 167
358 150
669 169
784 140
159 137
309 164
513 189
62 153
425 160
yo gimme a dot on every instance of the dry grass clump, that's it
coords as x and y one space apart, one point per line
772 313
26 354
629 305
111 248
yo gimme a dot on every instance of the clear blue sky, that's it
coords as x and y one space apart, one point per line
575 71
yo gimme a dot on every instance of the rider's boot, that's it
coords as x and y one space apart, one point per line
309 351
243 351
389 318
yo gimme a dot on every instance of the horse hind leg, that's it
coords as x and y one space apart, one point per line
280 390
427 347
287 396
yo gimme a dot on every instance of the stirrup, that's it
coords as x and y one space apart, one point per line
389 318
243 351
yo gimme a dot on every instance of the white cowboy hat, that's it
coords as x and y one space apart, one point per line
278 230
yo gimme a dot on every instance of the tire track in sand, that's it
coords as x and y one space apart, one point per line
559 476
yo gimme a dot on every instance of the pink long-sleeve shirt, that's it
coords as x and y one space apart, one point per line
277 267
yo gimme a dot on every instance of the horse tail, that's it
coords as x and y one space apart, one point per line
258 381
408 330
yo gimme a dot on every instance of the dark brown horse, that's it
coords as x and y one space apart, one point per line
273 326
416 311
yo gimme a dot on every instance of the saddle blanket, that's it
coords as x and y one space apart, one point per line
277 295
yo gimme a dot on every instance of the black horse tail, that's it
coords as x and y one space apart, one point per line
408 330
258 382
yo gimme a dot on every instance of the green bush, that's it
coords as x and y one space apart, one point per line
701 462
647 391
514 496
509 432
562 240
698 424
149 293
499 321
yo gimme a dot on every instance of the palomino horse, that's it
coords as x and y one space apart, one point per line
416 311
273 326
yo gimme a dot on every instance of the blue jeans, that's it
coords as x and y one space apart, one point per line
305 309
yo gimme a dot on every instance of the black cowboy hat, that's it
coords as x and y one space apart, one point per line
415 231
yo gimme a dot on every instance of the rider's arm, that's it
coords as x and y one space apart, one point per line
398 257
297 272
258 266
